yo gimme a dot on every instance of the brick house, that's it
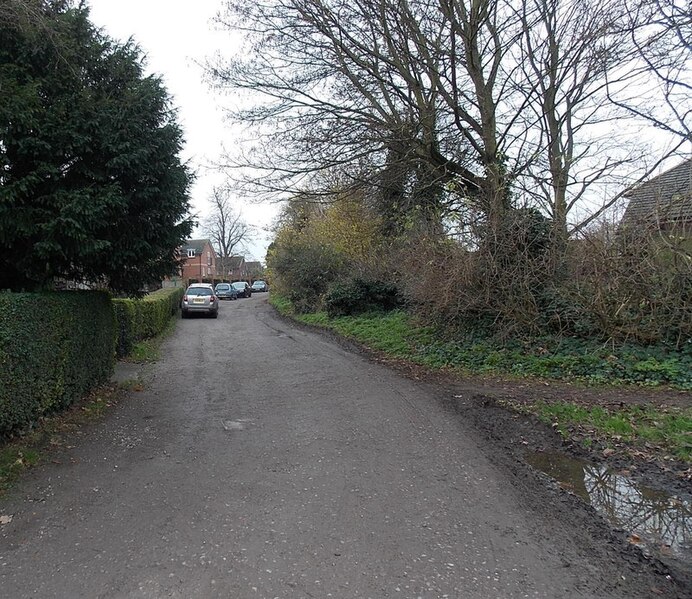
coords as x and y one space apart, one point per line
236 268
240 270
199 260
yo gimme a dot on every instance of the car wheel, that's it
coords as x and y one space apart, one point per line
183 314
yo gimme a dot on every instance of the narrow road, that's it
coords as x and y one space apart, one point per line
263 460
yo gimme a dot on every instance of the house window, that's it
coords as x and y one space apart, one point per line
190 253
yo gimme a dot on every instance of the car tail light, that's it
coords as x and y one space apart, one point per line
184 298
212 299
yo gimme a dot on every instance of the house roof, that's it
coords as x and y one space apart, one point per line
667 197
196 244
235 262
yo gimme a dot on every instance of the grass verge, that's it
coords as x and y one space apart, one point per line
149 350
50 434
397 334
666 431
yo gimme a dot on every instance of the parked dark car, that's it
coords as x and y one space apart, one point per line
226 291
199 298
243 288
259 286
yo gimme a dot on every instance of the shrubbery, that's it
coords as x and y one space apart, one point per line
54 347
144 318
622 286
514 280
357 296
633 285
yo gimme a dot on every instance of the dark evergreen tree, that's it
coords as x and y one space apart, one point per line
91 183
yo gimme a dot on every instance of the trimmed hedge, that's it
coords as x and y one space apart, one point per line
54 347
144 318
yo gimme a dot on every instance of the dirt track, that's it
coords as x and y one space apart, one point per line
263 460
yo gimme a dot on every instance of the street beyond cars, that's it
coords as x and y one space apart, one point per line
226 291
243 287
199 298
259 286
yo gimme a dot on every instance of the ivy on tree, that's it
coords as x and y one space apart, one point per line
91 184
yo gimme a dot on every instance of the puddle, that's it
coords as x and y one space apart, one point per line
661 522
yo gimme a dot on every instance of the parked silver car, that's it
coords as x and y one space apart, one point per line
226 291
199 298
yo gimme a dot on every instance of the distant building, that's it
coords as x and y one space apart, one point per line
240 270
199 260
663 202
236 268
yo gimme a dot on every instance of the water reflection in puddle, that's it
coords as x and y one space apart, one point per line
662 522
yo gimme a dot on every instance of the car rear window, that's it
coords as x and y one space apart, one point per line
223 287
200 291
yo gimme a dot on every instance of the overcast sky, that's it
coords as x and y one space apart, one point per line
176 36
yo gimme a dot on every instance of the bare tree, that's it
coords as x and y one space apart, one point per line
442 106
349 87
574 55
660 90
567 48
225 226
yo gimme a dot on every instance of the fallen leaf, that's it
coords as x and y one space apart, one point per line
608 451
635 539
5 519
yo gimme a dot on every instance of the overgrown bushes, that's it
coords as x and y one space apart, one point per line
634 285
144 318
54 347
520 278
623 286
494 286
357 296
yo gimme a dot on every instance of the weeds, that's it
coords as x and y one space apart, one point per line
669 429
50 433
149 350
398 334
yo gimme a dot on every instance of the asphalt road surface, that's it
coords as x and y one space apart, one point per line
263 460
